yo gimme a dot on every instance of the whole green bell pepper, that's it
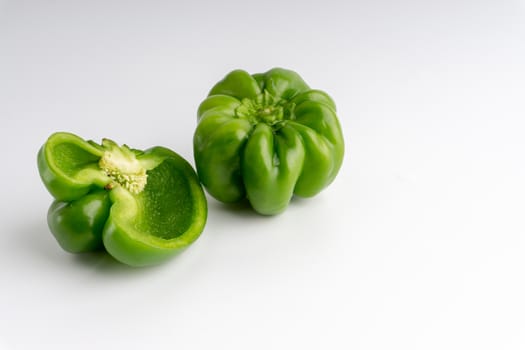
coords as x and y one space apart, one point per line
142 207
266 137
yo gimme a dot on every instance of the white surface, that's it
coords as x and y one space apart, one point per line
418 244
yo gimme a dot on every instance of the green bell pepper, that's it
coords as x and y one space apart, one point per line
266 137
142 207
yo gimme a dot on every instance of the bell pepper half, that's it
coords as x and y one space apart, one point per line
267 137
142 207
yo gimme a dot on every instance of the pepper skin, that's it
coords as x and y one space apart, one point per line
142 207
267 137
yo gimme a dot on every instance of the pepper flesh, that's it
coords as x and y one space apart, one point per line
142 207
267 137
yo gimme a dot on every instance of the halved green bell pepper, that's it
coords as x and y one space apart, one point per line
266 137
142 207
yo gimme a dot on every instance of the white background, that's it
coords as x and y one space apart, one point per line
418 244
